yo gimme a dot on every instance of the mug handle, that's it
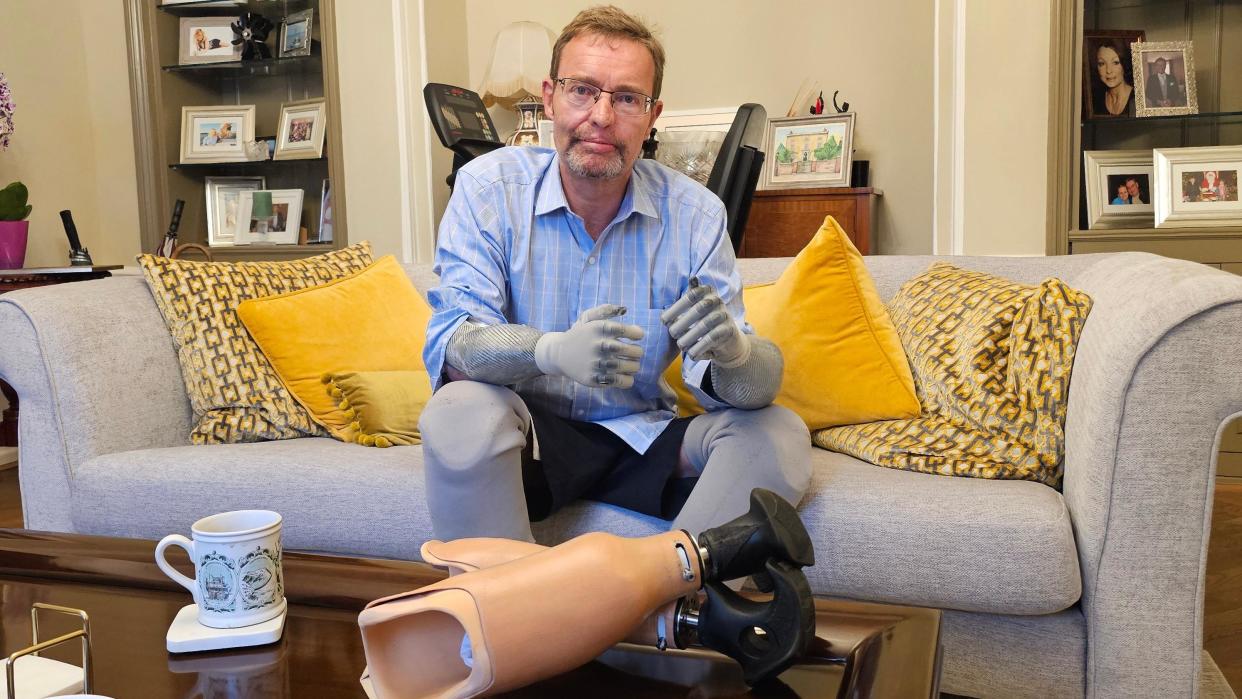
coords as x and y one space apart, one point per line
176 540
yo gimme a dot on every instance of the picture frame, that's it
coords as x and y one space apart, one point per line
1198 187
222 195
207 40
300 134
284 226
295 34
1120 186
808 151
324 234
216 133
1108 90
713 119
1176 93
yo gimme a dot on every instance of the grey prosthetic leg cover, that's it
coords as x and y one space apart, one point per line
755 382
736 451
495 354
473 436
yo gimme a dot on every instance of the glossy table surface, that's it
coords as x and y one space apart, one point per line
863 649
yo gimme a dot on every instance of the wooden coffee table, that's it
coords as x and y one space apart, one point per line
871 649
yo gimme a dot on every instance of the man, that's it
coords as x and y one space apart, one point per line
1132 187
1162 87
568 282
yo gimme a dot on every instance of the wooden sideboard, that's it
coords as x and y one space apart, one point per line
783 221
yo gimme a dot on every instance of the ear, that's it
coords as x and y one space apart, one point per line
549 88
655 113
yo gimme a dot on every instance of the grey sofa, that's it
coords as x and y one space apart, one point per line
1095 590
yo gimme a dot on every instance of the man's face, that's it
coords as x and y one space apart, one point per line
598 143
1132 186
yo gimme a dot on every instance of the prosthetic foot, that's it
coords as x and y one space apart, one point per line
514 612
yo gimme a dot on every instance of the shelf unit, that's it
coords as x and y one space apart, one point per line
1215 27
161 87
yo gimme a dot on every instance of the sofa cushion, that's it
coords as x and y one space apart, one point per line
880 534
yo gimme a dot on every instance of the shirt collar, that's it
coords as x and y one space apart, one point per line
638 196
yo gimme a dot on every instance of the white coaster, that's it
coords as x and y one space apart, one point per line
186 635
42 677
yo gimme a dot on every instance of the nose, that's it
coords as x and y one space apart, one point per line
601 113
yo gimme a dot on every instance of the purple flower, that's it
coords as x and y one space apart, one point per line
7 108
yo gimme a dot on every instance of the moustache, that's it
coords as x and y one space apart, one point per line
579 137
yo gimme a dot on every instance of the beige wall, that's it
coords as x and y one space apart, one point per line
73 145
723 53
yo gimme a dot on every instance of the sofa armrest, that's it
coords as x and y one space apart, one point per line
1155 379
95 372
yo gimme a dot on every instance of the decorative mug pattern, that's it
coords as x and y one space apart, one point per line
252 581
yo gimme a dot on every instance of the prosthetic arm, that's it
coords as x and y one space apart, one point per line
590 352
519 612
745 370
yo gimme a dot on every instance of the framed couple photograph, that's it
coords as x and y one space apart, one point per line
268 217
216 134
1119 188
1108 73
207 40
1164 78
301 131
813 151
295 34
223 195
1198 187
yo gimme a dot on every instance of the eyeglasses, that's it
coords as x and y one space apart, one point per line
582 95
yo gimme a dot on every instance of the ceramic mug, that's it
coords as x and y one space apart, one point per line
237 577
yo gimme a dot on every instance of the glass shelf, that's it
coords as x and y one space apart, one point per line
290 65
272 9
243 166
1202 116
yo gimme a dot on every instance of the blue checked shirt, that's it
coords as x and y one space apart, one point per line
511 251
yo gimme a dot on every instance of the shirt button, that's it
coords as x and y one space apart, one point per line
590 260
581 412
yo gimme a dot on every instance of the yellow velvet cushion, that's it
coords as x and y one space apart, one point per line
235 394
384 405
992 360
374 320
844 363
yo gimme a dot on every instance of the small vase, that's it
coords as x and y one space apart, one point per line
13 243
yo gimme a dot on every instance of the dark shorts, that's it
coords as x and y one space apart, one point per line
583 460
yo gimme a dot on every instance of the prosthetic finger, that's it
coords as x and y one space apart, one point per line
702 328
683 304
616 348
702 348
629 332
703 309
601 312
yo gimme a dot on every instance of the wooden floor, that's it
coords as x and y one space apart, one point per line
1222 628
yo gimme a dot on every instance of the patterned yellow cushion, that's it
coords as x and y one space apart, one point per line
235 394
992 361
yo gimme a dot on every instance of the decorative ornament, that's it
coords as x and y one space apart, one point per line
251 30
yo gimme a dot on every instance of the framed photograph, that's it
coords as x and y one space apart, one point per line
207 40
216 134
1164 78
280 228
1198 187
295 34
222 199
1119 188
1108 73
810 151
301 131
719 119
325 213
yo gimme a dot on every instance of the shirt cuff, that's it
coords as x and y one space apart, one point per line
694 373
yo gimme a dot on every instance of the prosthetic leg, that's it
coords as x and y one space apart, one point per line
515 612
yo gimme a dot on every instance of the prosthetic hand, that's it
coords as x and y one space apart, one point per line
504 622
746 370
591 352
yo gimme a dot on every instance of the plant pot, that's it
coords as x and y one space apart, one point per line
13 243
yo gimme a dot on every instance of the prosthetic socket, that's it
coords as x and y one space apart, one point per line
514 613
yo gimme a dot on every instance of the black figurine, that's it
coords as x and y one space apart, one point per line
251 32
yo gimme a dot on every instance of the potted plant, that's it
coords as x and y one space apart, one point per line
13 225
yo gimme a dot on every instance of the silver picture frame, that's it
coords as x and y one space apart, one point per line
1178 57
296 34
207 40
1198 187
303 126
1107 172
798 165
216 133
222 195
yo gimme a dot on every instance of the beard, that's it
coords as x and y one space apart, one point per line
596 166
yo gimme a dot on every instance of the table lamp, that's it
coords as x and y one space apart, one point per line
521 57
261 211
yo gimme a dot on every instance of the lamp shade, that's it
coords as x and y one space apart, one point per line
262 205
521 56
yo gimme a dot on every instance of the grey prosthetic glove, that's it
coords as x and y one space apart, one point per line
591 352
501 355
746 370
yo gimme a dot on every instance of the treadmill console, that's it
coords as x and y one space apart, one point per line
458 114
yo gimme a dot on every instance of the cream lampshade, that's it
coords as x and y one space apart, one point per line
521 57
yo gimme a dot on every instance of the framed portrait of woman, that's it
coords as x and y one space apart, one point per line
1108 73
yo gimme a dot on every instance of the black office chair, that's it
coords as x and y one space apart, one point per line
462 123
736 171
